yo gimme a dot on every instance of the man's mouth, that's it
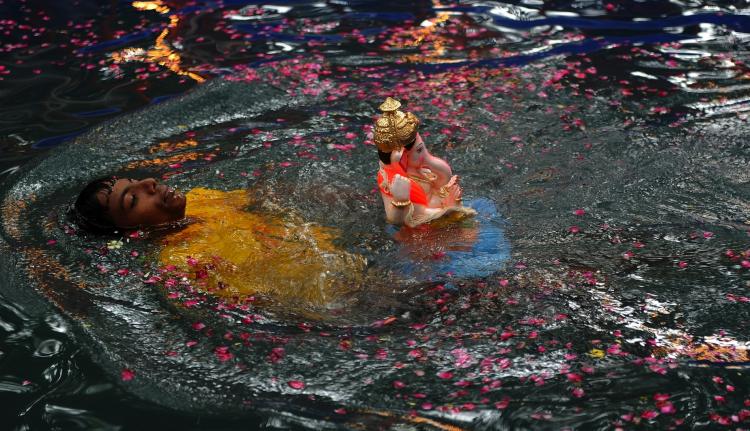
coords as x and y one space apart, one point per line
170 196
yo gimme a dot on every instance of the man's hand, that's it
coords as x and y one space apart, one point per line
400 188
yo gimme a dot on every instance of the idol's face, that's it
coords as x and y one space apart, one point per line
142 203
418 153
419 161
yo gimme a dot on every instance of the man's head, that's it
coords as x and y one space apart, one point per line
107 204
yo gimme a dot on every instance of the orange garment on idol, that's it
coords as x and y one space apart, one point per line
416 195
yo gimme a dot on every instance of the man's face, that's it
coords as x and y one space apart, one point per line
133 203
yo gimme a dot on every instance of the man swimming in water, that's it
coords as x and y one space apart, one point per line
229 251
108 204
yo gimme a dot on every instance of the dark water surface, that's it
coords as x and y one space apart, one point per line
610 136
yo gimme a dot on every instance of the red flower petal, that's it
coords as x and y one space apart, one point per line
126 375
296 384
445 375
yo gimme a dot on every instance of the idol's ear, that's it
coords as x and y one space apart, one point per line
396 155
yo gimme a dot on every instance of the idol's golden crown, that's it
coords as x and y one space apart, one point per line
394 129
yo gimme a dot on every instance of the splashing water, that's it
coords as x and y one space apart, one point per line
612 148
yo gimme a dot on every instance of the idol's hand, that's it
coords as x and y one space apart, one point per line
427 174
453 182
453 198
400 188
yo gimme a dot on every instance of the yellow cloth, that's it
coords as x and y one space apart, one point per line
234 253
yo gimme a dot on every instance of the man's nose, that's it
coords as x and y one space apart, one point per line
149 185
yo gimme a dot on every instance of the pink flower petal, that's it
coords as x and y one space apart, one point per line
277 354
296 384
445 375
667 409
574 377
127 375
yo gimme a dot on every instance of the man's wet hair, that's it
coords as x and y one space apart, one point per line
386 157
88 213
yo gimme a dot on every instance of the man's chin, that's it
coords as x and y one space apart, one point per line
180 209
180 215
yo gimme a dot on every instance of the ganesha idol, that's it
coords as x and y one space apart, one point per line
416 186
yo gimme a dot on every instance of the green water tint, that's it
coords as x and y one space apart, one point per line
558 338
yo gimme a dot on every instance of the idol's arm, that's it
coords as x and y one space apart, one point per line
398 208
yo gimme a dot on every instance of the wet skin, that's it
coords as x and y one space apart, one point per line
142 203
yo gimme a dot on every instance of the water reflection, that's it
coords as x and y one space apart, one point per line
161 53
474 247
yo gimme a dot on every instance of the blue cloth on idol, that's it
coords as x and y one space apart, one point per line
475 247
